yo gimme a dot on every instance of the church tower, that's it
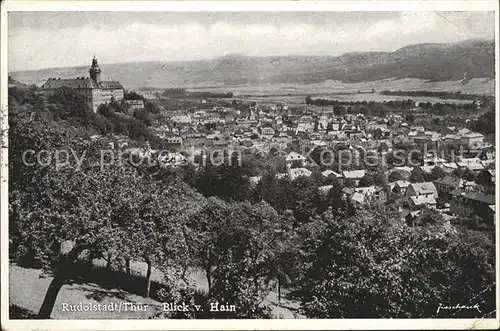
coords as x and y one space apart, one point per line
95 71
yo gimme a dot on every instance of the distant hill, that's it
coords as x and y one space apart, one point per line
15 83
434 62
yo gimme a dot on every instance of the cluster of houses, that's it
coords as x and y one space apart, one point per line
460 197
260 130
263 129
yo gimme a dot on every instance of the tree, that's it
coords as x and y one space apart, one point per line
349 182
410 118
377 134
469 175
381 180
484 178
395 271
62 212
417 175
430 217
474 222
227 181
131 95
300 195
70 104
151 108
237 245
334 198
68 213
143 116
436 174
309 100
153 220
458 172
366 181
485 124
395 176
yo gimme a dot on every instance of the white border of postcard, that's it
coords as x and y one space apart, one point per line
283 324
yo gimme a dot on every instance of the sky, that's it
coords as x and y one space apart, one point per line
65 39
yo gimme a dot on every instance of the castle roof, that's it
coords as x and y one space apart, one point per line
53 83
80 82
111 84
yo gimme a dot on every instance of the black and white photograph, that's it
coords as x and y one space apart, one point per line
249 165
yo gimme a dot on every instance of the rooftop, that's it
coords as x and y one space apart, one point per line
355 174
424 188
298 172
402 183
294 156
111 84
422 200
329 172
448 180
486 198
80 82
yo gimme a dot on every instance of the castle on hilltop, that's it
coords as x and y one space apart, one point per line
93 89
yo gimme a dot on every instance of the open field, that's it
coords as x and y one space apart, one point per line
299 100
484 86
474 86
294 95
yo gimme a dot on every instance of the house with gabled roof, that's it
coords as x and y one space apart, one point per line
355 175
400 186
447 184
327 173
294 157
422 189
364 194
418 202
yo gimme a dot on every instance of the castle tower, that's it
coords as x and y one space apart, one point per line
95 71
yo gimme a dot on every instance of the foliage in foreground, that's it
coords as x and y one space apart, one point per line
372 265
338 260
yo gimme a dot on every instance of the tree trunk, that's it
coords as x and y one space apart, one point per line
127 266
108 262
207 265
183 275
62 273
209 279
279 290
51 296
148 277
90 260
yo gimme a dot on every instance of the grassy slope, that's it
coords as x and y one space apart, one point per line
27 289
